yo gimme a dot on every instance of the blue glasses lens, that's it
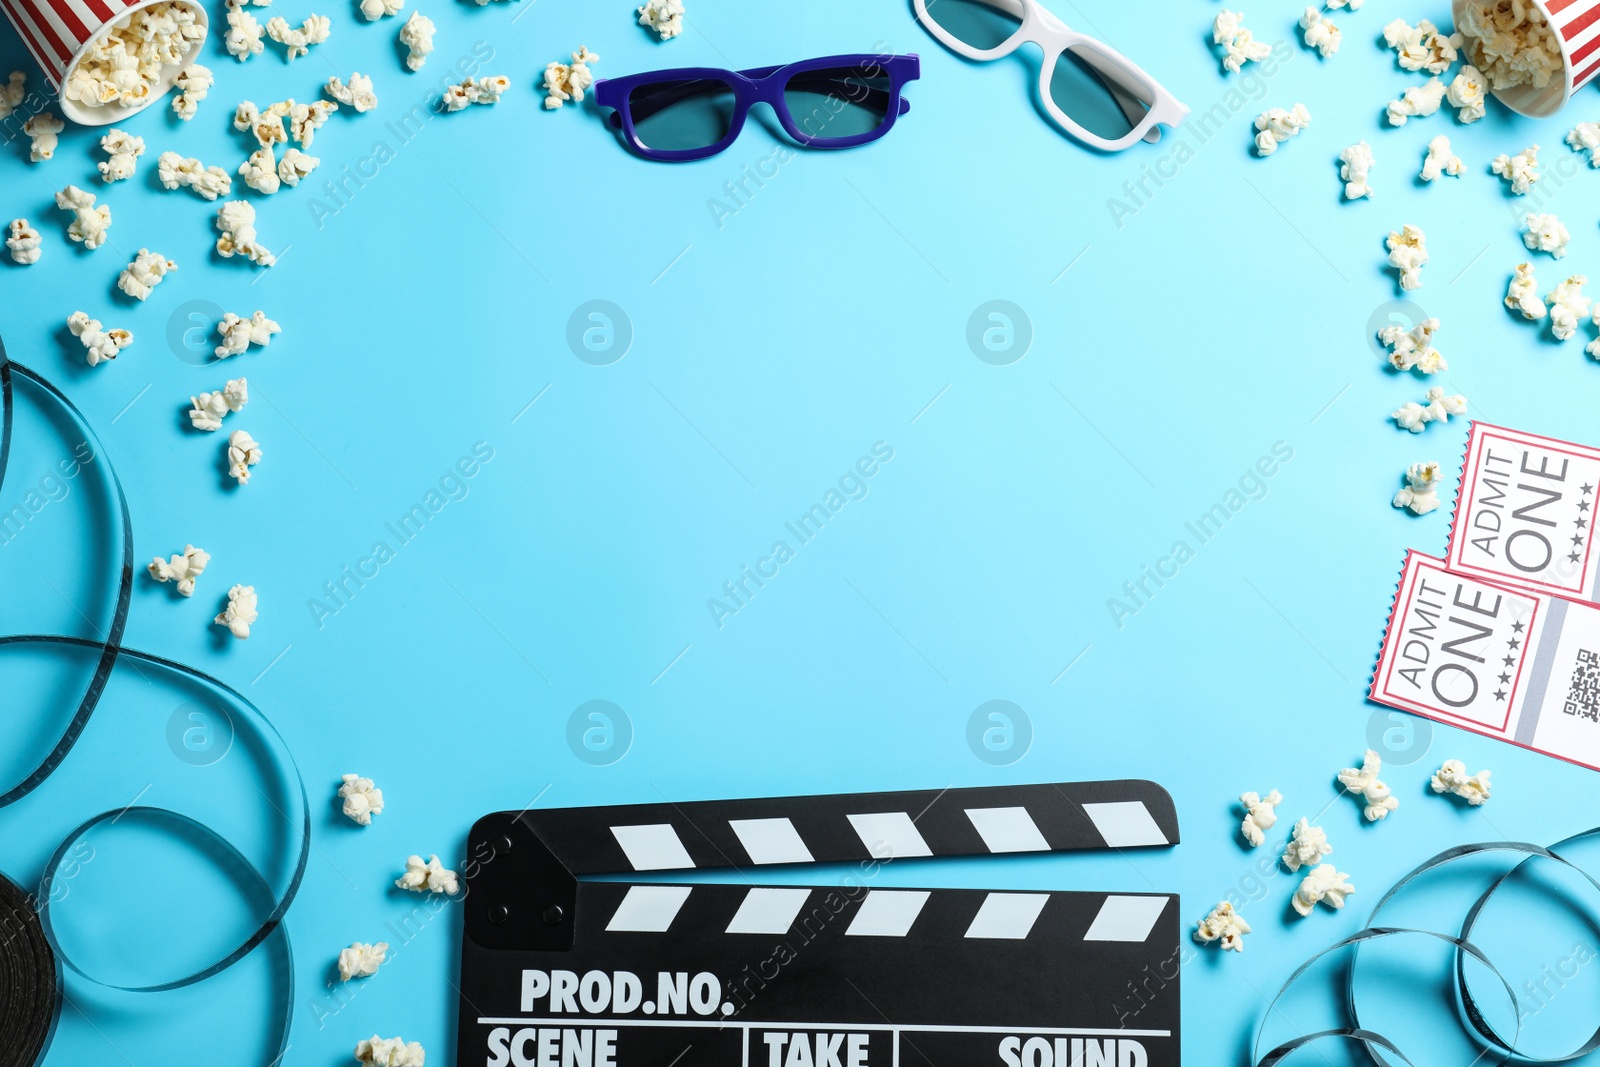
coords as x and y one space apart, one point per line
1098 92
980 24
832 103
682 115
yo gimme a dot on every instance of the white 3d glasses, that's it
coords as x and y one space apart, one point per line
1089 89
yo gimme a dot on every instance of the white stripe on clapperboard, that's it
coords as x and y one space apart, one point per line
650 909
887 834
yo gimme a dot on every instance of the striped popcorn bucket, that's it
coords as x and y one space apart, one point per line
59 33
1577 27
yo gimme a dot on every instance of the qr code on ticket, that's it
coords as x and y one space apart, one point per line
1583 695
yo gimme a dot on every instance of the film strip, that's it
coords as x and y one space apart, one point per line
30 978
34 965
558 966
1469 1004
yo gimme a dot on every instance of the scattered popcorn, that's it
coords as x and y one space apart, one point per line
144 273
1452 778
193 83
1320 33
1277 125
236 221
362 799
260 171
1224 925
1593 347
265 126
1422 478
89 223
1260 815
298 41
1521 170
295 165
1419 101
44 133
1545 233
1511 42
127 65
665 17
417 36
12 93
1408 251
1322 884
23 244
243 38
484 90
1420 494
239 334
357 94
182 569
100 344
306 119
1441 160
430 877
1307 845
1421 47
491 87
1468 94
373 10
240 614
1585 137
124 149
563 82
1239 45
361 960
1356 163
1523 293
206 411
1568 306
390 1052
1412 416
1353 5
1415 417
1413 349
243 453
175 171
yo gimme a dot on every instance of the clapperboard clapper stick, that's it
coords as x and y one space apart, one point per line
561 970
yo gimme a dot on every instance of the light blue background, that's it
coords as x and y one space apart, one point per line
1233 310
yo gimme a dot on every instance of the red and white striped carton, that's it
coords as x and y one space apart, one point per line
1578 23
1577 26
59 32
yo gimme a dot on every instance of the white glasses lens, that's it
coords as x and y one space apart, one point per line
978 24
1099 92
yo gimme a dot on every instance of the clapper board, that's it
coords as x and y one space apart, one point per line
559 969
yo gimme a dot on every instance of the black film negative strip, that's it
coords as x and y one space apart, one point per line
30 1006
560 970
30 975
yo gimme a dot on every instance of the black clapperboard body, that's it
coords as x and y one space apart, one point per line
558 970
